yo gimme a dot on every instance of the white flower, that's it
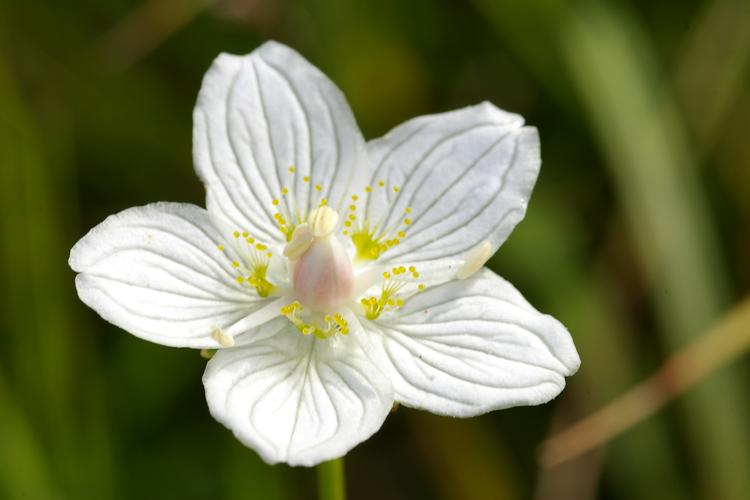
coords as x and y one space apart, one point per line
333 276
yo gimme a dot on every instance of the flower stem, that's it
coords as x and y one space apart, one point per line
331 484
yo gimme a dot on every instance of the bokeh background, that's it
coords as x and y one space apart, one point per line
637 238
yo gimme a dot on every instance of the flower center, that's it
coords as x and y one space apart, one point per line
322 274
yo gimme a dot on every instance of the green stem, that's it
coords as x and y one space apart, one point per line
331 484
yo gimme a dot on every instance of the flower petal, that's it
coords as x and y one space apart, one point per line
297 399
156 271
468 347
465 177
258 115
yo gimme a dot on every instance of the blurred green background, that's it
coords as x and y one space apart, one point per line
637 236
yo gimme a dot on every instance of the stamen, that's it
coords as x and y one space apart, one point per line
475 259
323 221
301 241
222 337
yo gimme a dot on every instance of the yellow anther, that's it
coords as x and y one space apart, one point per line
420 287
299 242
284 191
224 339
407 221
291 169
352 216
235 264
412 269
387 275
401 234
236 234
245 234
355 197
381 183
240 279
368 189
407 210
352 207
324 202
323 221
415 275
348 223
318 187
220 247
306 178
475 259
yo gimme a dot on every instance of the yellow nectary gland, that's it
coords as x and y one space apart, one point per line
253 270
332 323
258 280
389 293
367 247
369 237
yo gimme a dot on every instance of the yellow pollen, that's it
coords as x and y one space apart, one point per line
291 169
355 197
284 191
381 183
324 202
306 178
236 234
235 264
318 187
368 189
352 207
407 221
221 248
395 189
407 210
420 287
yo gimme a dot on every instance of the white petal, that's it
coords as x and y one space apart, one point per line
156 272
296 399
466 175
256 116
468 347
